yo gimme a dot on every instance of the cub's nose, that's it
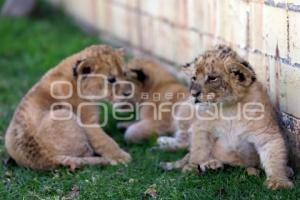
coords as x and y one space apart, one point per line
195 93
126 93
111 79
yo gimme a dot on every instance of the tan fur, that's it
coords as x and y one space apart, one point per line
149 78
34 139
223 80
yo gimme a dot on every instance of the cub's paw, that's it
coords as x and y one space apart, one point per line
179 164
167 166
275 184
189 167
119 157
211 164
164 142
171 144
70 164
252 171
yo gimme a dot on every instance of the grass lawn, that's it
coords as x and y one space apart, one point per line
28 48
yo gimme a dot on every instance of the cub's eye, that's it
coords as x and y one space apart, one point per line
212 78
193 78
86 70
111 79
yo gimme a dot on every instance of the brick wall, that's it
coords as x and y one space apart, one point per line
175 31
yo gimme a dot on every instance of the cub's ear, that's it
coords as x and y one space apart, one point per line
75 66
189 69
242 73
140 75
82 67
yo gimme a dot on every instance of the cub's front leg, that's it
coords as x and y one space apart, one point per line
273 157
180 140
106 146
200 154
102 143
141 130
200 150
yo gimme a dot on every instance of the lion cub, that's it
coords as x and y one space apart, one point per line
56 121
154 91
234 119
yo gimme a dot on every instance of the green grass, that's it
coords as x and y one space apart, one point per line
28 48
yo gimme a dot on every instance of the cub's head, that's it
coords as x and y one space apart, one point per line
137 76
96 75
220 75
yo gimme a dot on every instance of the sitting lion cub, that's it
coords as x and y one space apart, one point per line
154 91
234 119
56 122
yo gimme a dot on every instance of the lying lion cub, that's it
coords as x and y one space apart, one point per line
56 122
154 91
234 120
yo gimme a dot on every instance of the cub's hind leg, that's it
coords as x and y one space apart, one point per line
60 133
76 162
222 154
180 141
245 157
170 143
144 129
273 157
66 141
55 140
179 164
